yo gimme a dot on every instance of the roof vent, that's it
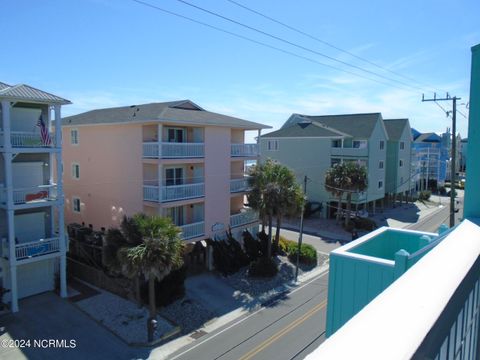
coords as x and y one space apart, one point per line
303 124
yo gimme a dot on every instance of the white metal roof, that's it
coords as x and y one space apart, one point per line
27 93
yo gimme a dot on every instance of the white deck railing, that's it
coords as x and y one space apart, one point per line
239 185
36 248
190 231
244 150
173 192
27 139
171 150
182 192
34 194
430 312
243 218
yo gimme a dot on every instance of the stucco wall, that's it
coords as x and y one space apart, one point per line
110 184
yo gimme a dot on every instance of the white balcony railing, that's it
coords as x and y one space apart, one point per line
171 150
243 218
35 194
28 139
182 192
239 185
430 312
34 248
244 150
173 192
194 230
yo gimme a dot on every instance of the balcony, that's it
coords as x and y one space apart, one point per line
32 249
342 151
240 185
244 150
194 230
430 312
243 218
172 150
31 195
173 192
23 139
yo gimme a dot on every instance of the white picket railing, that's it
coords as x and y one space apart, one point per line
27 139
36 248
34 194
244 150
172 150
183 192
150 193
243 218
190 231
239 185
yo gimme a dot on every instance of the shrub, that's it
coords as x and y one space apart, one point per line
364 223
442 190
424 195
263 267
228 255
263 238
252 247
308 254
350 226
171 288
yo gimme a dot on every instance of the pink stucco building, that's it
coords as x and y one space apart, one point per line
174 159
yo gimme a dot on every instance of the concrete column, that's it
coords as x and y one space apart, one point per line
373 206
160 139
258 140
160 181
60 207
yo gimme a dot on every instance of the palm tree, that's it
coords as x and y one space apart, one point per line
335 183
159 253
275 194
357 183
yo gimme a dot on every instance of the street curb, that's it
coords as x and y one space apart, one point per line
426 218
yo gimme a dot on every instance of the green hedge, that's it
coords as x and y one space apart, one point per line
308 254
263 267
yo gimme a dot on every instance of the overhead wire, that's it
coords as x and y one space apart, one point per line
313 37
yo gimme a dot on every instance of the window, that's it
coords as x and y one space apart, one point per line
380 164
359 144
337 143
176 135
75 171
400 163
382 144
74 137
402 145
76 204
174 176
335 161
272 145
380 184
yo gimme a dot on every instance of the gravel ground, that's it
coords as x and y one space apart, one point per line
188 314
250 288
123 317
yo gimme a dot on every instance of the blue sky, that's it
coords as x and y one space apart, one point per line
102 53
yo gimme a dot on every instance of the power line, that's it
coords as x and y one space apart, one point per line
278 38
261 43
297 30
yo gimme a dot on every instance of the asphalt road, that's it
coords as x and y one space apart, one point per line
289 328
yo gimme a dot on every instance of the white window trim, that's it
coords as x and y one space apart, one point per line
74 198
400 145
382 163
380 145
400 163
276 145
378 183
71 137
73 173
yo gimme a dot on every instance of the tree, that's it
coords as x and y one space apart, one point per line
347 177
275 194
335 183
155 257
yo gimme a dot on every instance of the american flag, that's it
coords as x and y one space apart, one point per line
46 140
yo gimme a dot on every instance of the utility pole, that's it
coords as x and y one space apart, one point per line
454 149
300 235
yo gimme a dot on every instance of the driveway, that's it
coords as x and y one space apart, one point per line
49 317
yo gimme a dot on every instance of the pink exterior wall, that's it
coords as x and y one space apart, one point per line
111 173
217 177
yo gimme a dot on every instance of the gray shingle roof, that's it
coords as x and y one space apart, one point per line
27 93
305 129
395 128
183 111
356 125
